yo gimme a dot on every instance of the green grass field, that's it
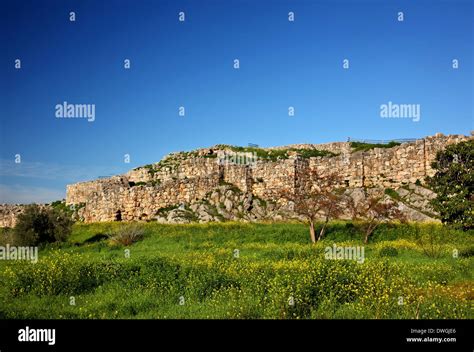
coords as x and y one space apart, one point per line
237 270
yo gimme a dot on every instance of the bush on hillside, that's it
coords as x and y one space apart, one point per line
127 234
388 251
454 185
41 225
467 252
6 236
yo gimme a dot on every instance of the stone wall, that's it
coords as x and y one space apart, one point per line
177 169
184 179
83 192
117 202
387 167
238 175
188 177
270 178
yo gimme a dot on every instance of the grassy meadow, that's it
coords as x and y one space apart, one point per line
239 270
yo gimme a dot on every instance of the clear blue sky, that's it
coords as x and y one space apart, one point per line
190 64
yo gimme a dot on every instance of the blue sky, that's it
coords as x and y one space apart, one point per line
190 64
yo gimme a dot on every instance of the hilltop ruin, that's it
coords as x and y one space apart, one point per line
211 184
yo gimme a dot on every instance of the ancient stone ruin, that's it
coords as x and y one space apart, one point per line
233 183
229 183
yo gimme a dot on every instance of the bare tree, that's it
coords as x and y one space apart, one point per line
373 210
331 207
316 196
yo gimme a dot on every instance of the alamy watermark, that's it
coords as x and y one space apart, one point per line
238 158
81 111
345 253
37 335
403 111
19 253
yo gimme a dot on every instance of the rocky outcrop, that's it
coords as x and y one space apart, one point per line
226 202
229 203
9 214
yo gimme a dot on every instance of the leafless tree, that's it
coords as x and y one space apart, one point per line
373 210
316 196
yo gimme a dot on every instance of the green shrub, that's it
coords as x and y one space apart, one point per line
361 146
278 154
165 210
7 236
430 239
392 193
40 225
454 185
388 251
70 210
466 252
133 184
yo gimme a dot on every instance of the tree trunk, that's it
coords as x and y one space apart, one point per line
369 232
312 232
323 231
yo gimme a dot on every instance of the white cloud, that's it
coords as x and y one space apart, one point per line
28 182
20 194
39 170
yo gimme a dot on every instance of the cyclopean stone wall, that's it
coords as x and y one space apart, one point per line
387 167
117 200
184 178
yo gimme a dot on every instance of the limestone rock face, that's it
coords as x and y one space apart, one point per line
417 197
226 202
9 214
230 206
